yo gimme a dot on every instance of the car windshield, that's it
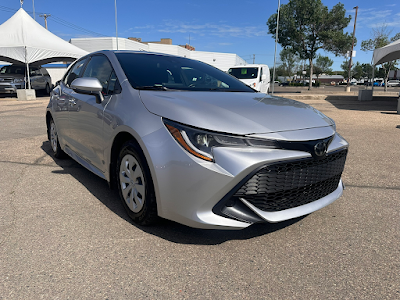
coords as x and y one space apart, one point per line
244 73
13 70
159 72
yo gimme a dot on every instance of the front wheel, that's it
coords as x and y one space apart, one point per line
53 137
135 185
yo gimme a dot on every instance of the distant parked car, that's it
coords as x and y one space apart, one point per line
13 78
286 83
392 83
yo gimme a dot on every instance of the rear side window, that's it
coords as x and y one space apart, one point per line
74 72
44 72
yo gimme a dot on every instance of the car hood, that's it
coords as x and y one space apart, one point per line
233 112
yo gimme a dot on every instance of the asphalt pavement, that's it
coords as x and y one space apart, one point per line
65 235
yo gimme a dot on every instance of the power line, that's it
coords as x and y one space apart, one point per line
59 21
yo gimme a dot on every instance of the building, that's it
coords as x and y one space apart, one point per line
329 79
395 74
219 60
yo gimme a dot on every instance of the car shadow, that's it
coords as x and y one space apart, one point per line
4 95
165 229
386 104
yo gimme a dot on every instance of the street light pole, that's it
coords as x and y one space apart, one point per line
116 23
351 52
276 43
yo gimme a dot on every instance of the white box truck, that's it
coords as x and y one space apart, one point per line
255 75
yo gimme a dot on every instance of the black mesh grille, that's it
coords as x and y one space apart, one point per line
285 185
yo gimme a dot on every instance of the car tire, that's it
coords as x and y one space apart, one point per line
47 89
53 138
135 185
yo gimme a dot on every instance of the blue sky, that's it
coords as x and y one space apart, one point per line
220 25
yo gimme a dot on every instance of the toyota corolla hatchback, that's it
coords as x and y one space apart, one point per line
185 141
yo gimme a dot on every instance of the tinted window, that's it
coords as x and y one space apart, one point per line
151 71
13 70
74 72
34 72
44 72
244 73
99 67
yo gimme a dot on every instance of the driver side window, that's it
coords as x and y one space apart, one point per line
74 72
99 67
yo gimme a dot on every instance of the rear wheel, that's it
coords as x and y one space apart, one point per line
135 185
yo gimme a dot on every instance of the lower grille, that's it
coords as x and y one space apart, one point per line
290 184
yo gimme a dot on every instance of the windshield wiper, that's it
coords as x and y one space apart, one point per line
156 87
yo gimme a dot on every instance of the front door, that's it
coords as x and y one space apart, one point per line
86 115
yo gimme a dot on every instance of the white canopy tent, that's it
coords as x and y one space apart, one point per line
385 54
25 41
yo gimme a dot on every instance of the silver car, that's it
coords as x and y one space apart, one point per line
185 141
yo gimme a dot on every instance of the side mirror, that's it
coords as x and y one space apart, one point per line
89 86
263 77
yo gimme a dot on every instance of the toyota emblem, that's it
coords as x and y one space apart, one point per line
320 149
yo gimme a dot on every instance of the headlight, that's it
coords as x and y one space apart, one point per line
16 80
200 142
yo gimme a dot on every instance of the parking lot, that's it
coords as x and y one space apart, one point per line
65 235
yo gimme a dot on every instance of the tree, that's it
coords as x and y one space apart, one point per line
307 26
322 65
289 61
345 68
380 38
357 71
367 70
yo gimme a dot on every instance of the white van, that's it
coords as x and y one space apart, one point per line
256 76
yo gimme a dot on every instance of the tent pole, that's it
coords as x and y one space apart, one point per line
27 69
373 76
29 78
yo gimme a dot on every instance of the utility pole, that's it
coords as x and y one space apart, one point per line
254 58
276 44
45 16
351 52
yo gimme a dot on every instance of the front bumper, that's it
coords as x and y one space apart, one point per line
10 88
196 193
